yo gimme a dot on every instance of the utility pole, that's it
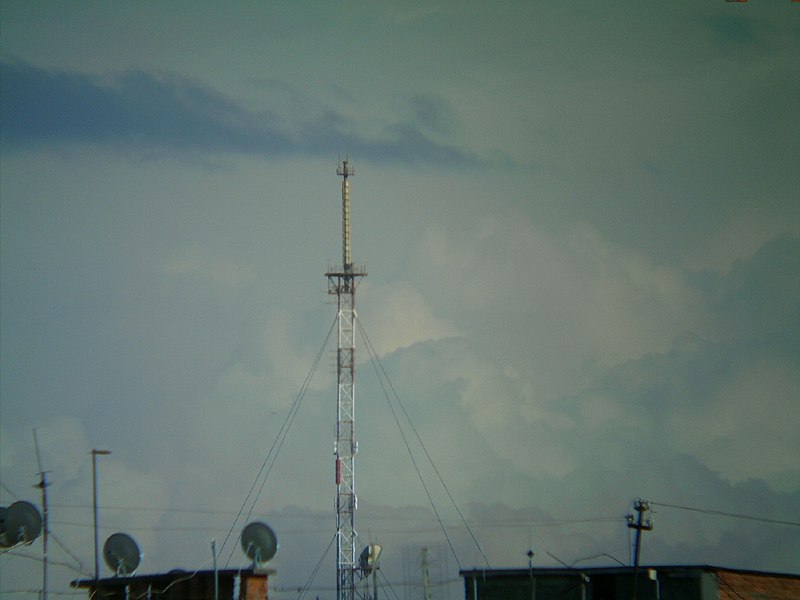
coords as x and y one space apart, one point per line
640 506
43 486
342 283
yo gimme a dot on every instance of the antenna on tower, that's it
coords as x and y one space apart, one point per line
344 170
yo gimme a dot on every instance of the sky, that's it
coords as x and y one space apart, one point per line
581 228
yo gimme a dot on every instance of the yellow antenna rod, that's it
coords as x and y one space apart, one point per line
345 171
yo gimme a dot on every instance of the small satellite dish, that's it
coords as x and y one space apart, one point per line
3 513
370 557
259 542
121 554
21 523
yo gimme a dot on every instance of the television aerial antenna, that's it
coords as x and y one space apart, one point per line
121 554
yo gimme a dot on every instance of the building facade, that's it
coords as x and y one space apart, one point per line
698 582
228 584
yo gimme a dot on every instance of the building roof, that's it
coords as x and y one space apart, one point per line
524 571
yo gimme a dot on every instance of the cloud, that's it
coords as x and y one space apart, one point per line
434 113
133 108
699 407
556 307
150 113
401 317
192 260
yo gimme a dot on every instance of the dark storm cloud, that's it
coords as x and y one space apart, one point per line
434 113
145 112
137 108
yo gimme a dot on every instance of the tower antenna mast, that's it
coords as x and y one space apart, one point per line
342 283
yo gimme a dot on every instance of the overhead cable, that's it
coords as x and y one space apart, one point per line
276 444
728 514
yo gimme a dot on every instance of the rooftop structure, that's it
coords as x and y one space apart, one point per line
251 584
692 582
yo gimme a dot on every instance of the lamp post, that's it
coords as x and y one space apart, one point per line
530 574
95 453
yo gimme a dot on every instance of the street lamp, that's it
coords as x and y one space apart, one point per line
95 453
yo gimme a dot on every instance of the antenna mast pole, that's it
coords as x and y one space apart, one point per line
342 283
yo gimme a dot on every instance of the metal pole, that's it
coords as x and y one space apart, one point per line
216 574
95 453
43 484
530 574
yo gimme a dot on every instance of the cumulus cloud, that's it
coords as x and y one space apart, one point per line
677 417
569 304
400 317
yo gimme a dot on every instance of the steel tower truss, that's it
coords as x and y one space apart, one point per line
342 283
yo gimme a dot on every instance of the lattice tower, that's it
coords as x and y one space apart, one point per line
342 283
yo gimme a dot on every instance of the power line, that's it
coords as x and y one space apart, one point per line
376 363
373 358
728 514
6 488
305 589
475 523
376 528
277 443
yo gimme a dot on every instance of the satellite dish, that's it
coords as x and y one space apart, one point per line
259 542
3 513
121 554
20 523
370 557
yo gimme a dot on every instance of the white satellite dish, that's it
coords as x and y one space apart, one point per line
259 542
121 554
20 523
